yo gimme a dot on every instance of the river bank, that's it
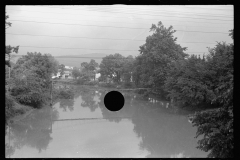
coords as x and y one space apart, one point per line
20 112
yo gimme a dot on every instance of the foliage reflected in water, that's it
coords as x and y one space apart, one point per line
67 103
163 132
126 112
88 100
34 131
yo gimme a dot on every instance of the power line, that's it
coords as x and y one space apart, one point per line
211 8
78 48
103 21
111 16
86 48
112 26
193 7
97 57
94 38
72 37
164 15
164 11
134 9
78 24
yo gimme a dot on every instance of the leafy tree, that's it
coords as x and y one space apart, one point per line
75 72
231 33
10 101
84 64
156 54
111 67
90 68
127 70
102 78
217 125
9 49
92 65
189 82
83 78
31 78
62 69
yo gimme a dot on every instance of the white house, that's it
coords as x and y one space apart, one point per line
97 75
68 67
56 76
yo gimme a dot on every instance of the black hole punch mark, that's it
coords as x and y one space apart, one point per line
114 101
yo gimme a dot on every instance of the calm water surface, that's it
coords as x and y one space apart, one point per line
83 127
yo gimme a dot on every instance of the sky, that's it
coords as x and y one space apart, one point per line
100 27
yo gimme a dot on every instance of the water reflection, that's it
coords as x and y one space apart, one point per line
142 128
88 100
33 131
67 103
164 133
126 112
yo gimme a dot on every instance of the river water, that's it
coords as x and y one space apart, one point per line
83 127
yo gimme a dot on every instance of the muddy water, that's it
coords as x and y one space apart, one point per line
83 127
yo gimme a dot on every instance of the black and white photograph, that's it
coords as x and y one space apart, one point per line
119 81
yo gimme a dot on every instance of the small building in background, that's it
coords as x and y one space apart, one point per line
97 75
68 67
67 75
57 75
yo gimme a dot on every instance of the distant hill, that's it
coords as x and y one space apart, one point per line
73 60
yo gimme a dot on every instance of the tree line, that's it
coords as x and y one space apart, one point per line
186 80
163 66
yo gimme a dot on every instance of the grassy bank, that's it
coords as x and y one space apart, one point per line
18 112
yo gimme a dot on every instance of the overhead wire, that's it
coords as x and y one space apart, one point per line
110 26
164 15
105 38
158 14
105 21
211 8
113 17
152 10
83 48
77 48
95 38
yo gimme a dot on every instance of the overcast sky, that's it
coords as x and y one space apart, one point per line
86 21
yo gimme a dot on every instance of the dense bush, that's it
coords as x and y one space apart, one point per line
188 82
30 80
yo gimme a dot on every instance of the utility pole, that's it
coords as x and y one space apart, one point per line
9 71
9 137
51 93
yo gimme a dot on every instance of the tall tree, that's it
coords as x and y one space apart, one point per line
31 78
89 69
157 53
111 66
127 69
92 65
62 69
217 125
9 49
189 81
75 72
